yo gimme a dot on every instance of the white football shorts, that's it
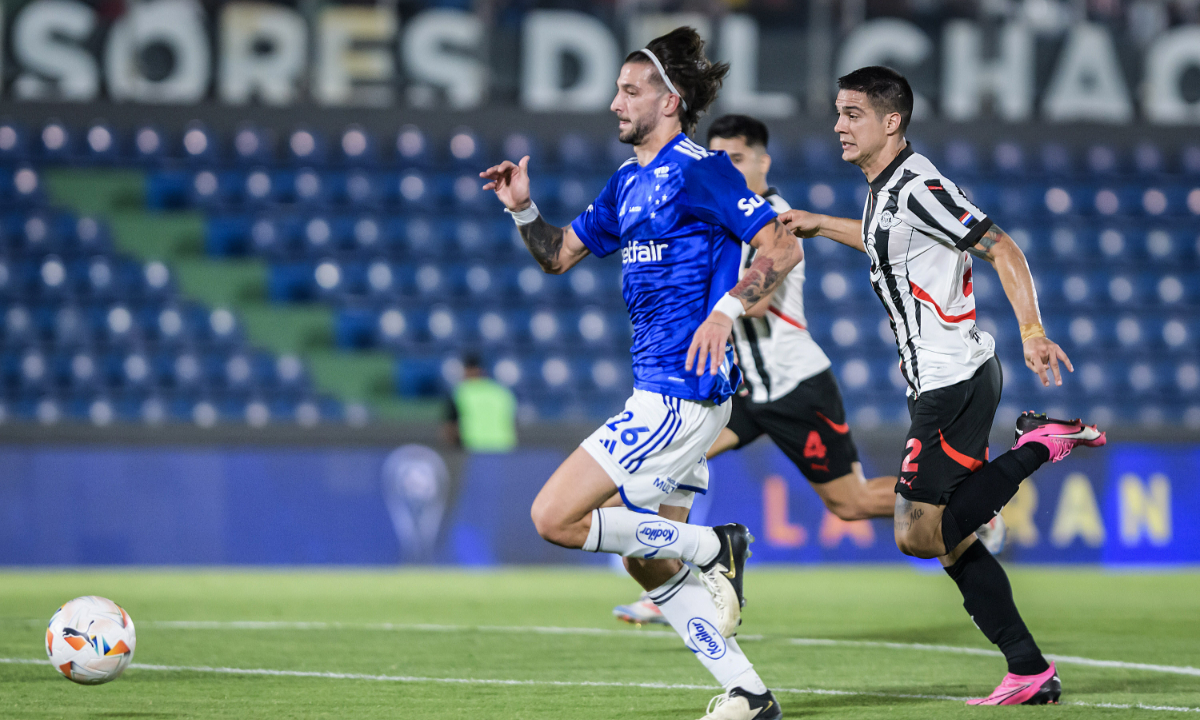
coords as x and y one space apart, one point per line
654 451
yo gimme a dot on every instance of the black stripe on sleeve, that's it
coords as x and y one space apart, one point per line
915 206
969 240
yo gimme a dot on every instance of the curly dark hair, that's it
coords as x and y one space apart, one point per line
681 53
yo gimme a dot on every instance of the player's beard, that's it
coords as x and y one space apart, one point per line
637 132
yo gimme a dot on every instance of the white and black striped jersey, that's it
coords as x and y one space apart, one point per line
776 353
917 226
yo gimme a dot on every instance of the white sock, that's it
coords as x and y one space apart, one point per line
690 610
749 681
627 533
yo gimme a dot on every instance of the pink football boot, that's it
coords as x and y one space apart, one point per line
1040 689
1059 436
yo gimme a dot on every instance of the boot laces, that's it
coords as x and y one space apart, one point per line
716 703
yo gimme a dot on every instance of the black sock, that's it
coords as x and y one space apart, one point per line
978 498
987 596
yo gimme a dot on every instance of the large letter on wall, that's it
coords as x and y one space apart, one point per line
262 53
1169 57
1087 83
1077 516
350 75
967 77
1145 511
440 51
887 42
549 36
739 46
41 43
177 24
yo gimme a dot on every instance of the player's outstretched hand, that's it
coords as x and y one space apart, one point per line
708 344
1042 353
511 183
800 223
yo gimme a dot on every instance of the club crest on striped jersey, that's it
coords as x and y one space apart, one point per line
886 220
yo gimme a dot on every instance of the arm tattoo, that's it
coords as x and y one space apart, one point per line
990 238
761 278
544 241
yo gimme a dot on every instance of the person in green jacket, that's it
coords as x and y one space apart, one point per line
481 413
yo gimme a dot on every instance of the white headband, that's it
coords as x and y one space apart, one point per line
663 73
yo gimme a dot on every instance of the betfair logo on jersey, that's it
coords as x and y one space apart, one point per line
705 638
642 252
657 533
750 204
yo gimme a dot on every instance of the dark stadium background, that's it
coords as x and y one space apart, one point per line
227 300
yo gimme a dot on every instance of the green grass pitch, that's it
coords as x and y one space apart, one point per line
468 631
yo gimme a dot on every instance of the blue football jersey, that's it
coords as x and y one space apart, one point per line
679 223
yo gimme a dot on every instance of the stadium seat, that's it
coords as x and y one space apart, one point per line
200 146
149 145
413 147
357 147
305 148
466 150
252 146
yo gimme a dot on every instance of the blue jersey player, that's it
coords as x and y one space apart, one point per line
678 214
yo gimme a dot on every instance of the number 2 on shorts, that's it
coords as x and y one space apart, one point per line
914 449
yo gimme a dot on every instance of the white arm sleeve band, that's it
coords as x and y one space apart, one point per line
526 216
730 306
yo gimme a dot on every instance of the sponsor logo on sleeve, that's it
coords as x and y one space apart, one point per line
705 639
750 204
657 533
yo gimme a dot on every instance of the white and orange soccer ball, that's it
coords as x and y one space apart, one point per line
91 640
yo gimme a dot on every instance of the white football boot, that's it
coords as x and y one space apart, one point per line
992 534
642 612
739 704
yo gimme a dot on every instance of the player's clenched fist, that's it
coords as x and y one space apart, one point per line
708 344
511 183
800 223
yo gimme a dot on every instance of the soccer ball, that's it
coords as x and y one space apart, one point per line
91 640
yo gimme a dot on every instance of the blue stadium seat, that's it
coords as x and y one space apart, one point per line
357 147
466 149
306 148
1148 159
200 146
168 189
1055 159
56 142
413 147
418 376
290 281
398 327
102 145
517 145
149 145
252 146
577 151
14 143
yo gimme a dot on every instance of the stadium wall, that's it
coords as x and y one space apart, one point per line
1132 503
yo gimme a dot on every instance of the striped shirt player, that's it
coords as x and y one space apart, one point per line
776 352
917 228
921 232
